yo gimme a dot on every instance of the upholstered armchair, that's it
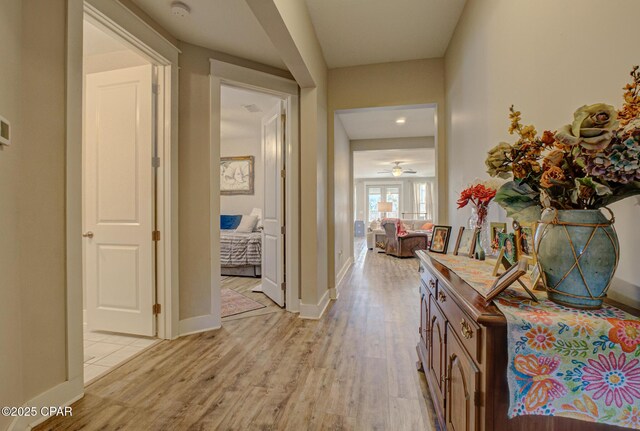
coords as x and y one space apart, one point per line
401 243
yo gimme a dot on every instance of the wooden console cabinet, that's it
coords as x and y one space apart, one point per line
463 353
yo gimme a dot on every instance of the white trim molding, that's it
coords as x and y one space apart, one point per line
62 395
315 311
335 291
194 325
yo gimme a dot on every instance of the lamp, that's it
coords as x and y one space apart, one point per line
385 207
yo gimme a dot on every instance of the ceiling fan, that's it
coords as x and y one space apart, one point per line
398 170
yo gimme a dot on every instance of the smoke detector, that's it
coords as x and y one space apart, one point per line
180 9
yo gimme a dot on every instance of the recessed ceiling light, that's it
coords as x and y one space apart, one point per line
401 120
180 9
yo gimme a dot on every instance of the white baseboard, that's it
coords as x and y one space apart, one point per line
194 325
315 311
62 395
335 291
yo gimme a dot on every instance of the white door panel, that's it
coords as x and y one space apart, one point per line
273 214
118 206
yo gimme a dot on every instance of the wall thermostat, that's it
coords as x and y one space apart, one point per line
5 131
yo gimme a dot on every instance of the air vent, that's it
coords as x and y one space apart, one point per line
252 108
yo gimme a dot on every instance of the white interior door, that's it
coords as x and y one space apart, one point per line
118 201
273 211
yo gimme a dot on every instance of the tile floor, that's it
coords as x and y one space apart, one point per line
105 350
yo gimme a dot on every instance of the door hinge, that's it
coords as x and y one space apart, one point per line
283 173
155 235
157 308
477 398
283 230
155 88
283 286
155 162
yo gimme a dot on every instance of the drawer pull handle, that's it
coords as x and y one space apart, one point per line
441 296
432 284
466 330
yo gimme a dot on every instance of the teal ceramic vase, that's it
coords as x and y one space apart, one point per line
578 253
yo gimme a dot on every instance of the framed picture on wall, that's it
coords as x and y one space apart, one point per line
236 175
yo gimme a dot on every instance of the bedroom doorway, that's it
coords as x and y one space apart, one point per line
251 201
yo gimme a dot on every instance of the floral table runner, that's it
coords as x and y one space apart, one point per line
477 273
580 364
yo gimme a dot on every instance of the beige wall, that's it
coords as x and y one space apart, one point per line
296 41
388 84
11 392
343 184
194 192
32 262
548 58
42 186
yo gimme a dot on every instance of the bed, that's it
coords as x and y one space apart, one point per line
240 253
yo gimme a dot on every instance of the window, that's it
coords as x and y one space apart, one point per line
423 195
383 193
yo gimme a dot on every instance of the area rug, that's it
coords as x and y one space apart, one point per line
235 303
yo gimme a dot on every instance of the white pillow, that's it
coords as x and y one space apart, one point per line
257 212
247 224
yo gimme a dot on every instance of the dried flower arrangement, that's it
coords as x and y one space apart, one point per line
588 164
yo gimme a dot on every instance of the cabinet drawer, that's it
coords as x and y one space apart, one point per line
466 329
428 280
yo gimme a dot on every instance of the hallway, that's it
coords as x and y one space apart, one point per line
352 370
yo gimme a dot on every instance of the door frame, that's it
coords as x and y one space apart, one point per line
223 73
119 21
163 148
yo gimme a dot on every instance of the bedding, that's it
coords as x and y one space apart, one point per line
239 248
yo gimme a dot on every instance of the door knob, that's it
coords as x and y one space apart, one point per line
88 234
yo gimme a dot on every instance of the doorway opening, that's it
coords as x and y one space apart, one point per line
123 92
252 263
278 138
394 175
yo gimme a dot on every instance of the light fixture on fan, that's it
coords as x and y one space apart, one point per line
398 170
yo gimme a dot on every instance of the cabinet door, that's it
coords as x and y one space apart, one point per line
424 318
462 388
437 350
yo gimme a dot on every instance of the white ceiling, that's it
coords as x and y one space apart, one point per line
354 32
367 164
381 123
238 123
228 26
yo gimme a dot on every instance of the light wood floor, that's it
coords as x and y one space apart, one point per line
354 369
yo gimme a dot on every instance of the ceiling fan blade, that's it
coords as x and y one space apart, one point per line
384 172
409 172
